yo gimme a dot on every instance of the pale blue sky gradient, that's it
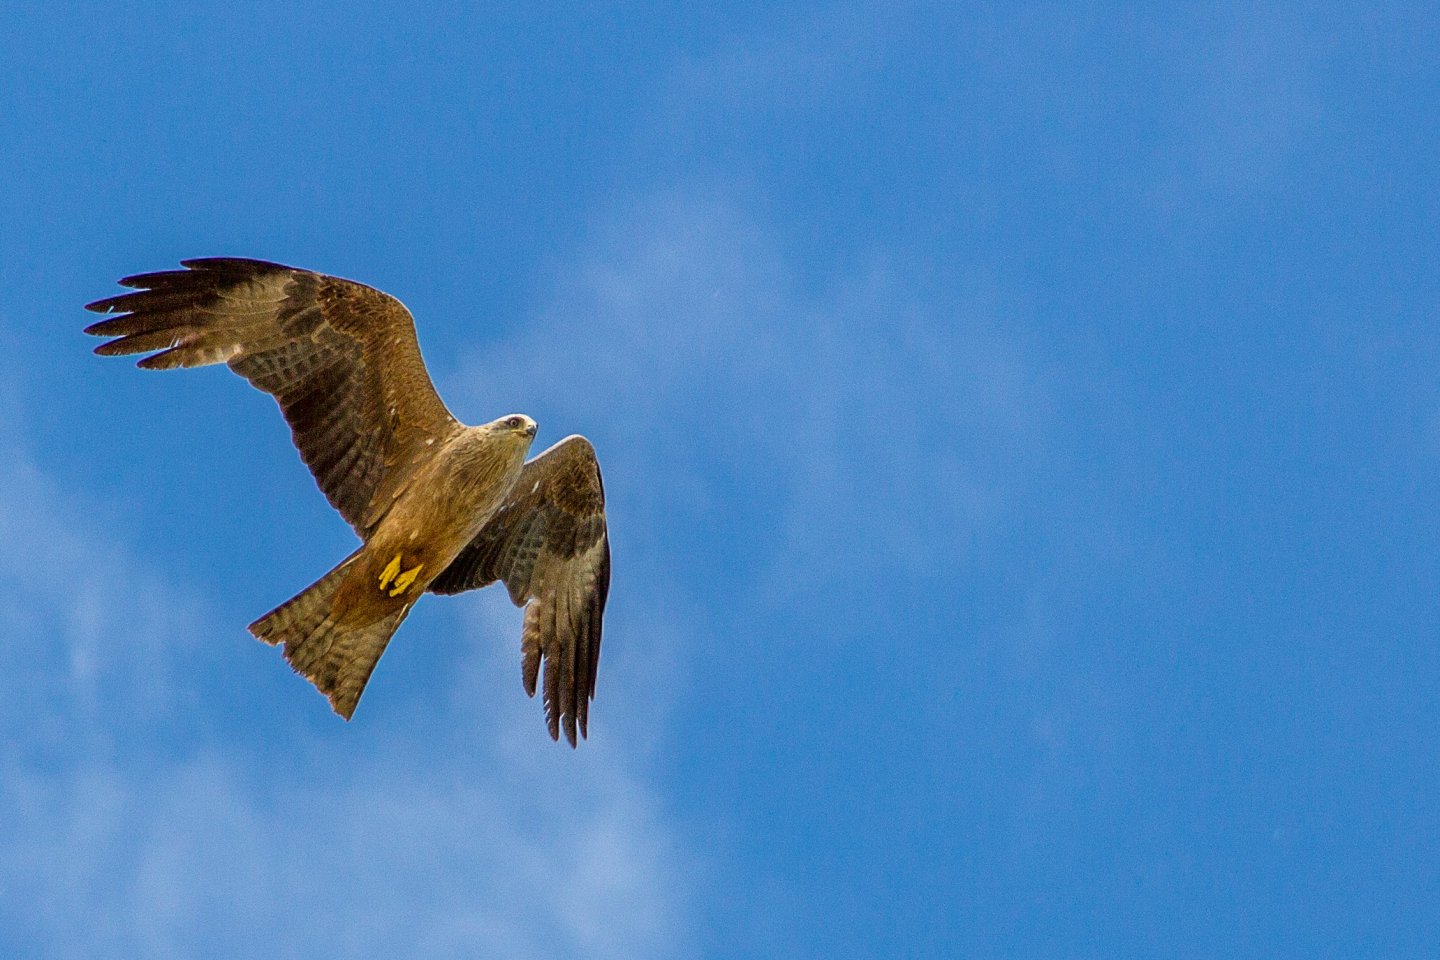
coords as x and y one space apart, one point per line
1020 424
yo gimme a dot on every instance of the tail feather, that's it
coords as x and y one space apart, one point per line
338 659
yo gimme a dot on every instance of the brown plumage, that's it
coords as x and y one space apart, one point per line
440 506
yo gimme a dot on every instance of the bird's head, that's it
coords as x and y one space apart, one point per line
517 425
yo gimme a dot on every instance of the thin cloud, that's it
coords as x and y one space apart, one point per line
712 381
132 828
192 854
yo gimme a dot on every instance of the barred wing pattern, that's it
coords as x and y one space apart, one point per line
341 359
549 544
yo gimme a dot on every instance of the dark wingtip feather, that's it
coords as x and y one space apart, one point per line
237 265
552 697
152 280
529 655
112 327
106 305
116 348
164 360
168 280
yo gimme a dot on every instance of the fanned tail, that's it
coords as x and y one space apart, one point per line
337 659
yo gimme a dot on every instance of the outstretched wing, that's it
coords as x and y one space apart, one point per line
341 359
548 542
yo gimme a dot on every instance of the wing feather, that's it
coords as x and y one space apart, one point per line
550 546
339 357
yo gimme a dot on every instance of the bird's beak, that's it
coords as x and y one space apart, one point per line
530 430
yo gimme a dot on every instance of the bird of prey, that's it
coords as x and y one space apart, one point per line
440 506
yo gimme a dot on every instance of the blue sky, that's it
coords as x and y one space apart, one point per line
1020 425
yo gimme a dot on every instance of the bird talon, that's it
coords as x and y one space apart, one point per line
388 574
403 581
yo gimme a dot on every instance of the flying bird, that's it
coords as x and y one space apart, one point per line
439 506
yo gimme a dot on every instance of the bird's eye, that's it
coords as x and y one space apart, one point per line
514 423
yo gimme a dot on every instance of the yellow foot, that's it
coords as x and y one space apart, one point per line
388 574
402 582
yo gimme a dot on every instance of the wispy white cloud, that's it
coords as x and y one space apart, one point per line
379 858
854 421
68 592
131 829
785 456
